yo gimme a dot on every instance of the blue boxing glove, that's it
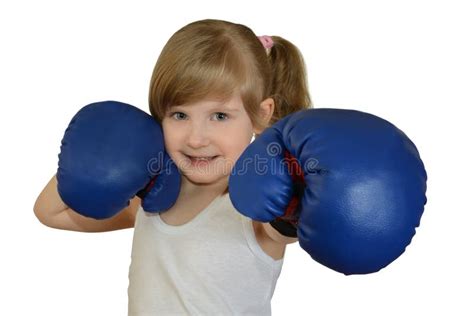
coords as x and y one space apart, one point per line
351 184
110 152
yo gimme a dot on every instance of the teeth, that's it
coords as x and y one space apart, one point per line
201 158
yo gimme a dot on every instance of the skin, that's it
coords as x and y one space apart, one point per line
204 129
210 128
201 129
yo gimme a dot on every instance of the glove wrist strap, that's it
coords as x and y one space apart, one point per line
285 228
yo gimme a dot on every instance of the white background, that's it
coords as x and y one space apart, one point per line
410 62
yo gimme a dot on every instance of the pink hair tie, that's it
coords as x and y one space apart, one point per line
267 42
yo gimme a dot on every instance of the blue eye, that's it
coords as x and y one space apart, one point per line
178 116
221 116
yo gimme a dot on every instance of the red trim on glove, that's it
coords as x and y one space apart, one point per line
141 194
297 175
287 224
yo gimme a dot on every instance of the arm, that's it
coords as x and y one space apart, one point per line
271 242
53 212
273 234
265 232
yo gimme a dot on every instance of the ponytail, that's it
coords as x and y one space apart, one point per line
289 87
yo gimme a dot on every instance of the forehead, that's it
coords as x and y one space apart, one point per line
233 104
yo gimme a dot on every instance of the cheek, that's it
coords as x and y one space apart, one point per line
171 137
237 146
245 136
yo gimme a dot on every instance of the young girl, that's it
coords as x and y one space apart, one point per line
215 86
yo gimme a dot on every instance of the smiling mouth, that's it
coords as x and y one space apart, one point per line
193 158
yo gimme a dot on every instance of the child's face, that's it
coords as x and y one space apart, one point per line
206 138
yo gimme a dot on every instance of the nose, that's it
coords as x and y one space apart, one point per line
197 136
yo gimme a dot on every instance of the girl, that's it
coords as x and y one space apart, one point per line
214 87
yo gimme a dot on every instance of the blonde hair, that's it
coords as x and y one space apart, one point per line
212 59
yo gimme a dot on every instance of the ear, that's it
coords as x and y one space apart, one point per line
267 107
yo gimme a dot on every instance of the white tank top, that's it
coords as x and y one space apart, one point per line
212 265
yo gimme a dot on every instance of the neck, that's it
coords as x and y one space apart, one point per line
212 189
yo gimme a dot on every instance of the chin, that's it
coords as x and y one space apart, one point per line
205 179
